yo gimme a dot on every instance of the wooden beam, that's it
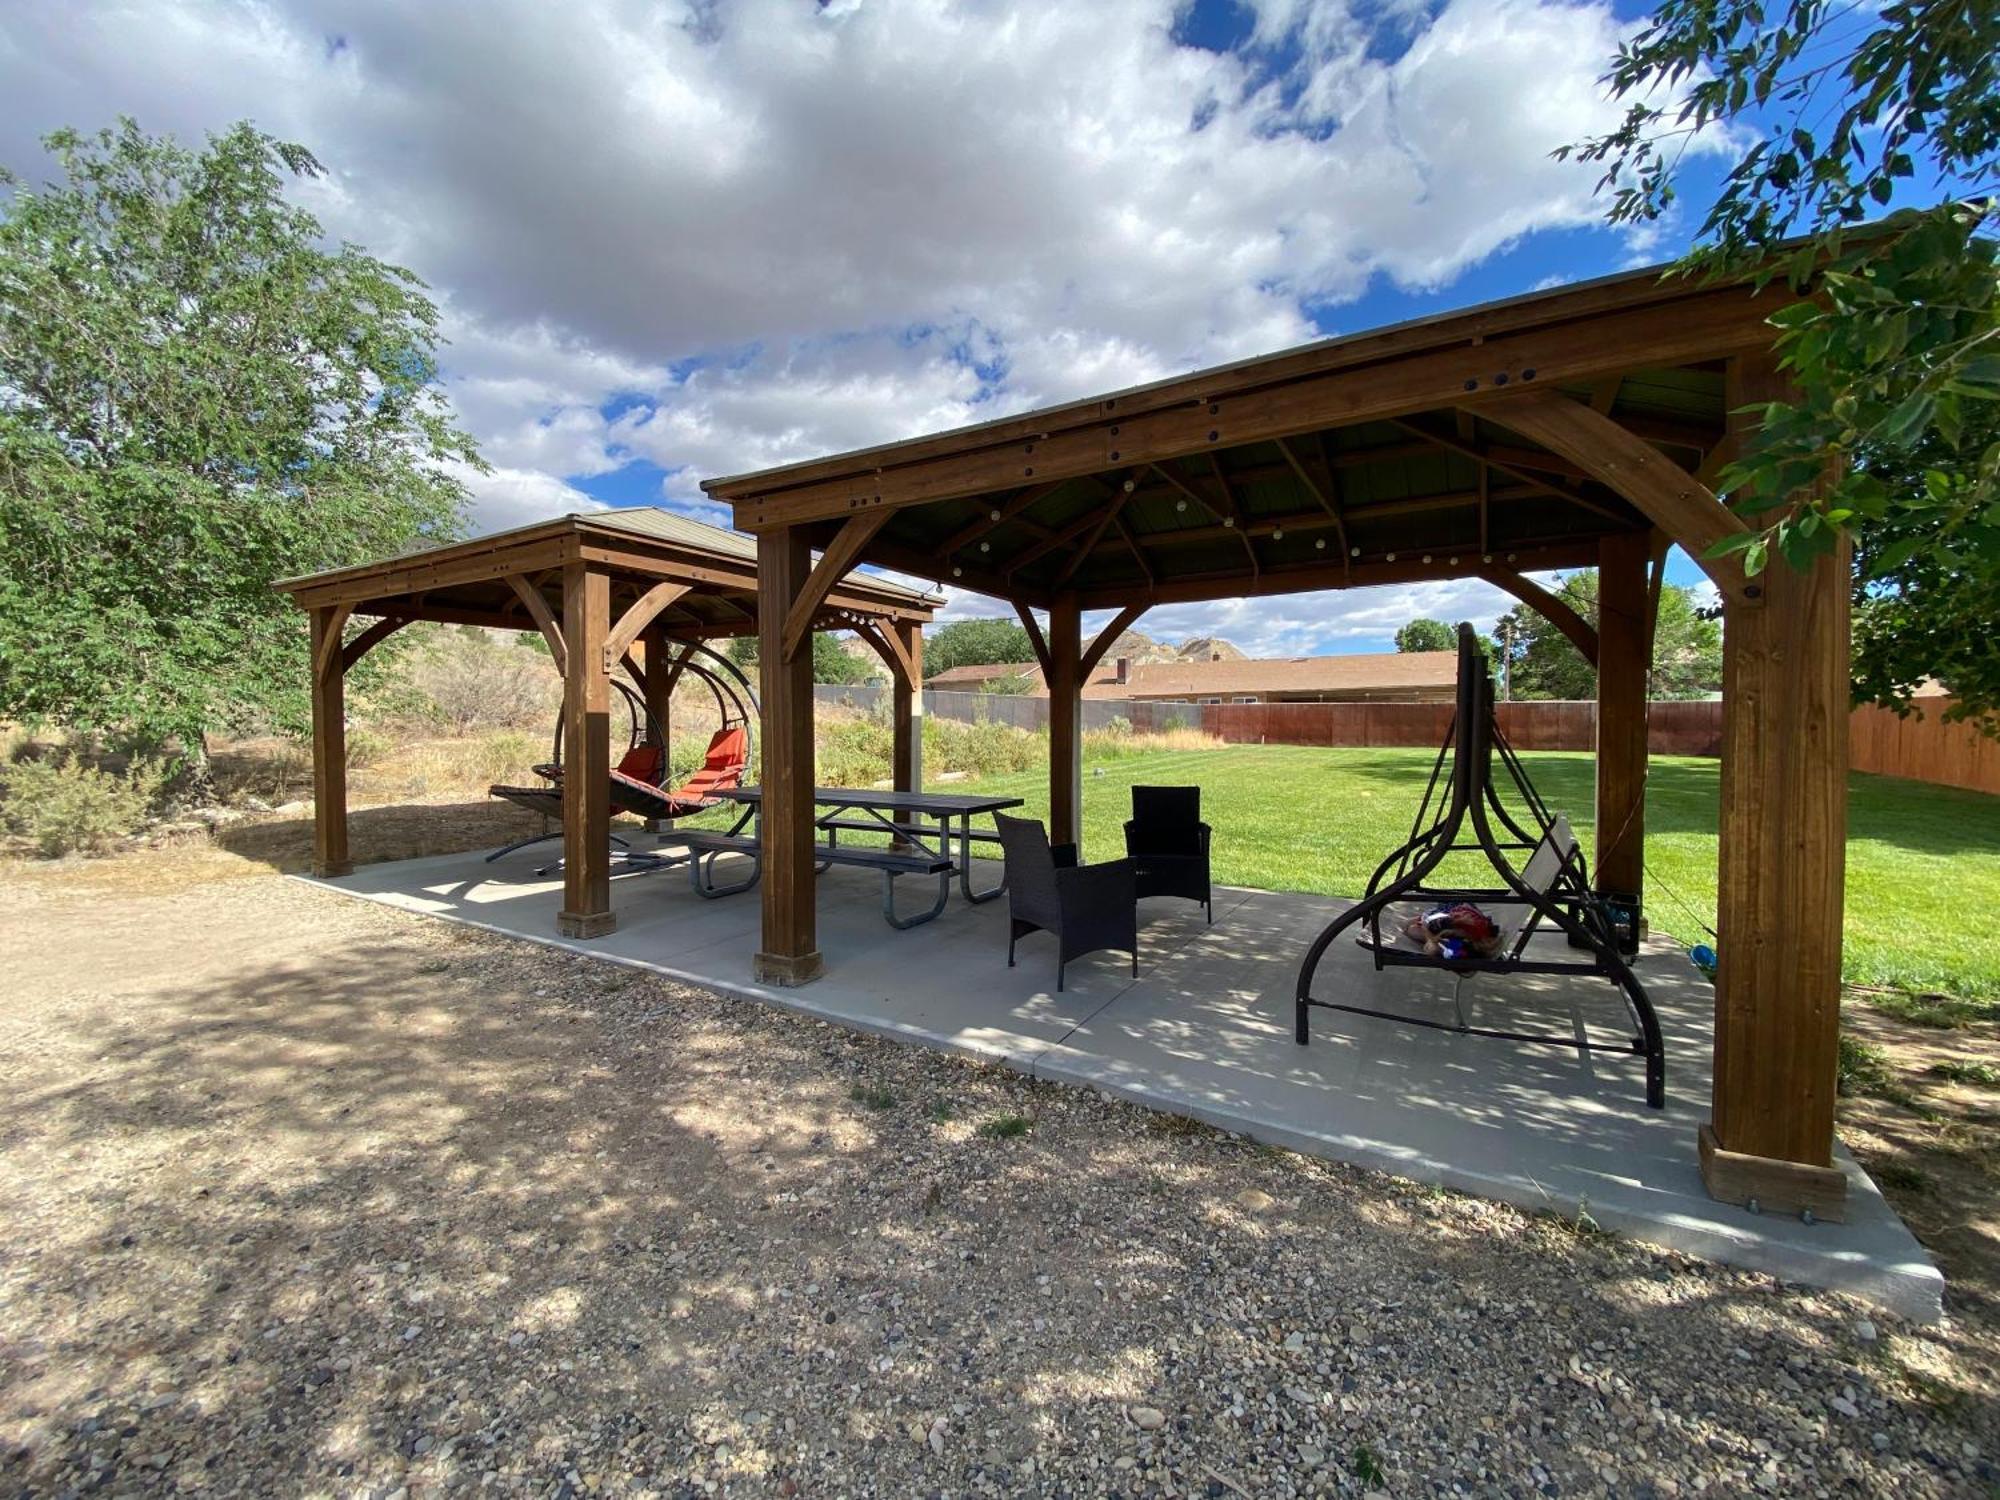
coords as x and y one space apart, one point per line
889 645
1783 823
1065 723
1081 554
544 618
927 564
1106 638
1486 458
1138 552
998 515
586 788
327 649
641 613
329 744
415 577
1538 554
368 640
1035 637
1057 538
841 554
906 707
1327 502
788 953
1623 677
1258 403
1551 607
1629 466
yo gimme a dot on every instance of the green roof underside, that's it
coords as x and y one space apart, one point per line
1375 492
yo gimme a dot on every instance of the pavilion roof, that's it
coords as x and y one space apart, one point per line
468 581
1382 456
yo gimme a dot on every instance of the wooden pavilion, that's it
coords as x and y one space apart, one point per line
608 590
1576 427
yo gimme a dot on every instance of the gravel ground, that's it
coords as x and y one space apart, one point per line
305 1197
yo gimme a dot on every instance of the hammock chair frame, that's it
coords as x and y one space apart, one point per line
735 703
1471 800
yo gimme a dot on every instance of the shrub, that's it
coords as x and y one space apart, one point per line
468 679
63 805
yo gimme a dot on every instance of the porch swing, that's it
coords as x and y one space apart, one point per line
639 779
1463 813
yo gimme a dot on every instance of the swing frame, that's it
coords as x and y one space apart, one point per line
1470 817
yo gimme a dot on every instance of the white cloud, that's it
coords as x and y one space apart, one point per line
758 230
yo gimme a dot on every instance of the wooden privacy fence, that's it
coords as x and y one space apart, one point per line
1922 747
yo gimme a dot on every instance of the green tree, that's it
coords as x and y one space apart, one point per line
1423 634
833 662
1542 663
1917 615
1901 344
201 398
975 643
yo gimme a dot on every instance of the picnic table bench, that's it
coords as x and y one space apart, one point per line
916 847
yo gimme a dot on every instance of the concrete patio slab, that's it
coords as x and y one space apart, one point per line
1206 1031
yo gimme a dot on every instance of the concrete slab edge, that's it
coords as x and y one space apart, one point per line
1913 1291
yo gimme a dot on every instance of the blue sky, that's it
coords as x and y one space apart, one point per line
674 239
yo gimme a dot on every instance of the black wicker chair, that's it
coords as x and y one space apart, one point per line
1086 908
1168 842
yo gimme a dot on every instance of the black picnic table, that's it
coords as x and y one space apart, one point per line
918 848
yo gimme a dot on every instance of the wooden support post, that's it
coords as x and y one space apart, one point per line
908 707
329 725
1623 673
1781 879
586 796
1065 677
789 954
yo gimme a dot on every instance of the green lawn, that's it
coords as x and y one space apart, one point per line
1923 868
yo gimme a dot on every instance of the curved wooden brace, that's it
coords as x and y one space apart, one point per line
645 609
1551 607
1666 494
369 639
1121 623
890 649
1036 639
544 618
329 643
840 555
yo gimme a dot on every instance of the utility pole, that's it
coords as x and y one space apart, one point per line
1507 658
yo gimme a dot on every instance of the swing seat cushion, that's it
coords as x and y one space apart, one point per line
1506 908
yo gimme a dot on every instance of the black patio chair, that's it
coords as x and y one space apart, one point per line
1168 842
1086 908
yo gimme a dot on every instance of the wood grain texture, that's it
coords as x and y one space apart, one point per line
1782 852
1625 463
840 555
907 708
544 618
329 731
789 951
1065 723
586 789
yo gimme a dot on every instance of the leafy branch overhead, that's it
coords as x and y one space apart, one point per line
204 397
1842 112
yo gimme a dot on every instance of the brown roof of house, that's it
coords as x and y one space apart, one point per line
987 672
1369 672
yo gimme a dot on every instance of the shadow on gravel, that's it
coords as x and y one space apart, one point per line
423 1208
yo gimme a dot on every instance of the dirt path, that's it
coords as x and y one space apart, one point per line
305 1197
